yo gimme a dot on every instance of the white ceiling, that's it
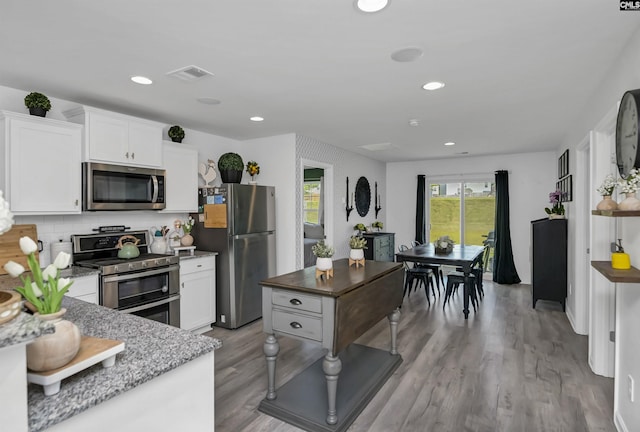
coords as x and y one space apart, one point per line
516 72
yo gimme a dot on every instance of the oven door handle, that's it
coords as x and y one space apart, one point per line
175 267
151 305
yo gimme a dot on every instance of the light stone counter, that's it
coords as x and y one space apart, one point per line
151 350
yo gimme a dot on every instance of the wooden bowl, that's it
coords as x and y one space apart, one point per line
10 305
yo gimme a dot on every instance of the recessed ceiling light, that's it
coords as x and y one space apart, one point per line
406 55
208 101
450 143
414 122
433 85
256 119
371 5
141 80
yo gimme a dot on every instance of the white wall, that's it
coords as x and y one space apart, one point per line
345 164
624 74
532 177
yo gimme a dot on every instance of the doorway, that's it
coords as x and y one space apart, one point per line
316 208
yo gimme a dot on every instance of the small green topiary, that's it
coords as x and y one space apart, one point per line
37 100
230 161
176 133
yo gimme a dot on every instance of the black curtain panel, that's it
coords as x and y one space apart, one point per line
420 215
504 269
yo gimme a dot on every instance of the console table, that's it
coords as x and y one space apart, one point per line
380 246
334 312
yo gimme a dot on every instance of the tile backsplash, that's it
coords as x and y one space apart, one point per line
56 228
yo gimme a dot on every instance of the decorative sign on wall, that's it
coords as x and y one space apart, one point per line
565 182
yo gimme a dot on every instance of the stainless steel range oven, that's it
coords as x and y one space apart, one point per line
147 286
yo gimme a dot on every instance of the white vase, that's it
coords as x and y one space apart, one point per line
54 350
556 216
607 203
323 264
159 245
356 254
630 202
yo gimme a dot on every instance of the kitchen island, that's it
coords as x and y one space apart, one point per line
163 380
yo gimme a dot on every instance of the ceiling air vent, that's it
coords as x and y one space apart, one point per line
189 73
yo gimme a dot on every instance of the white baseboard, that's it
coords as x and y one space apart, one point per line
619 423
572 321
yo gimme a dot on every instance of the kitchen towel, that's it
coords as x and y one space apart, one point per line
61 246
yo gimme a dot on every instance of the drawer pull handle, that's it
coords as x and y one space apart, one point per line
295 302
296 325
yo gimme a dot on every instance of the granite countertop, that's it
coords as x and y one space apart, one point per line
23 328
197 254
151 349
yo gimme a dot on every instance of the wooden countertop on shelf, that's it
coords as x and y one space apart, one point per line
616 213
631 275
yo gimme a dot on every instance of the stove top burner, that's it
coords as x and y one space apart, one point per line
108 266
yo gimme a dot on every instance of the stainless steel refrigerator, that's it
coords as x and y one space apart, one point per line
238 222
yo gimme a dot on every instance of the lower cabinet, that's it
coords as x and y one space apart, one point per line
380 246
198 293
85 288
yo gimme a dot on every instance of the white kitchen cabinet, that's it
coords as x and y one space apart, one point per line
85 288
198 293
117 138
41 159
181 182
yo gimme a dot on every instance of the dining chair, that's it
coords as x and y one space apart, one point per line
422 275
454 279
435 268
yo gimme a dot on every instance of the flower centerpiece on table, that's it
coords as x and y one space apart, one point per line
444 245
629 187
253 169
46 289
557 209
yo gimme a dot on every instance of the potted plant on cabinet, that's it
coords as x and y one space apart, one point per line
37 103
360 227
44 295
377 224
230 166
323 253
358 244
176 133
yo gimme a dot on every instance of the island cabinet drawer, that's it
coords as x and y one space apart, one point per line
297 301
305 326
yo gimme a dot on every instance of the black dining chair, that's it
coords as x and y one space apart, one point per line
420 275
435 268
454 279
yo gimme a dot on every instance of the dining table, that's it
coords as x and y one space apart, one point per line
462 256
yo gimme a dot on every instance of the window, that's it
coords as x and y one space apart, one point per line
311 201
466 217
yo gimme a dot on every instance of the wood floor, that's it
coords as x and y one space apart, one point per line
507 368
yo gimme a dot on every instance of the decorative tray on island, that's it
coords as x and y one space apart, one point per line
92 350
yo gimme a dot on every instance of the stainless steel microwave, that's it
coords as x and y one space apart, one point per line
118 187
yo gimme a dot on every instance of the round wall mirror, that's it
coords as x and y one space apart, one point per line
363 196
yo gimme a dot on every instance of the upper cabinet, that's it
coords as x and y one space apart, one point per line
117 138
41 160
181 166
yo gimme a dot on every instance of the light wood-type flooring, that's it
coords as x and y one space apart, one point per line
507 368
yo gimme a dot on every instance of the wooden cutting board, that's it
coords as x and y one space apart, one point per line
10 245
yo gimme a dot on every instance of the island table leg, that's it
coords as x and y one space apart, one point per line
394 318
331 366
271 349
